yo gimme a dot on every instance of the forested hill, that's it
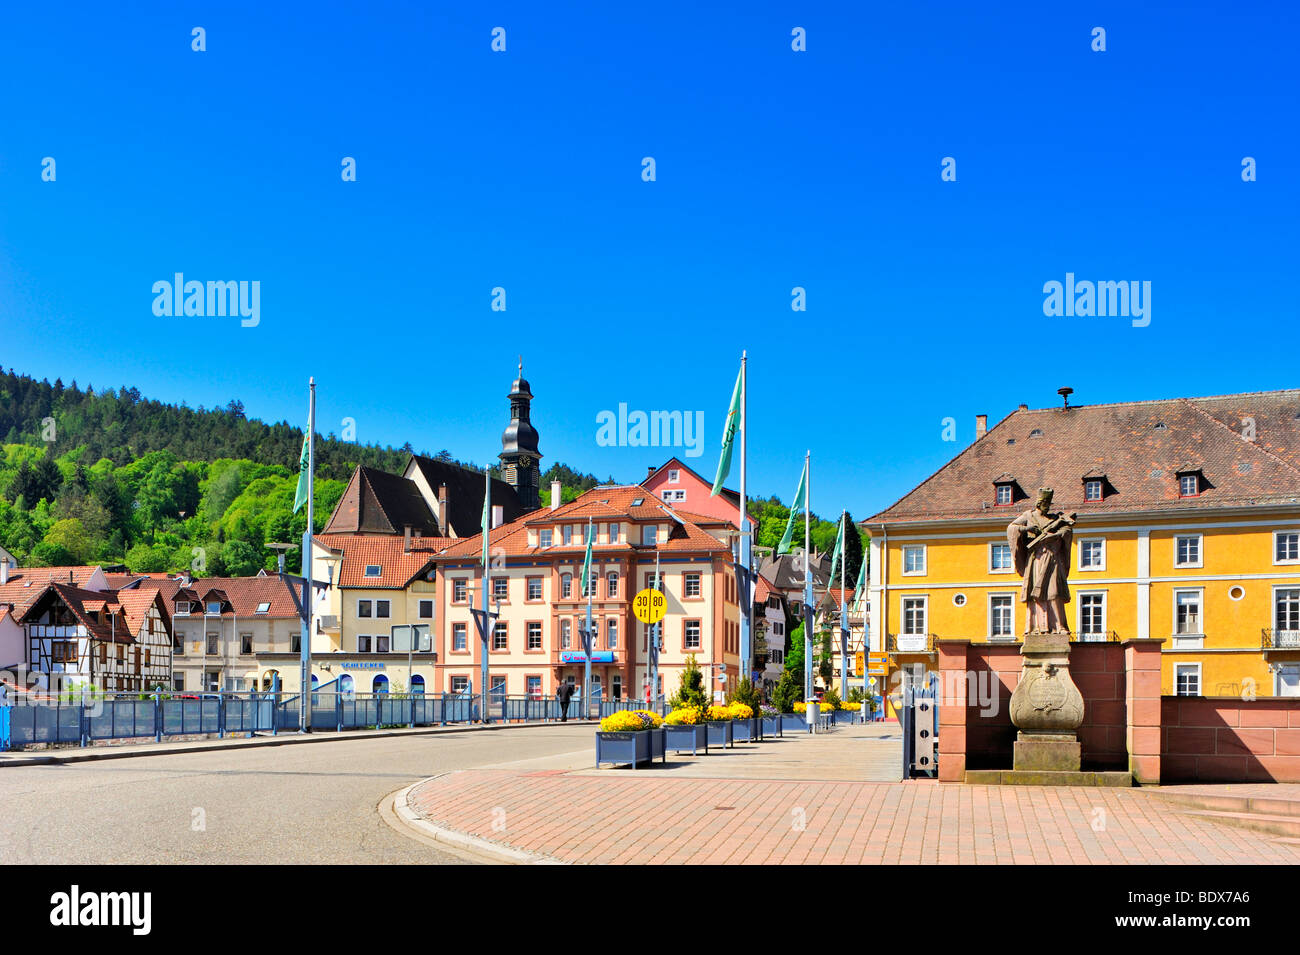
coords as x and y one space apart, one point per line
110 477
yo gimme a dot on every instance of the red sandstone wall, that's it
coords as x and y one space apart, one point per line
1226 739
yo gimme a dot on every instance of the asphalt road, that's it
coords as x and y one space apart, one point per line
313 803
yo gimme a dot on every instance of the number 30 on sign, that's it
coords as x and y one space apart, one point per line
649 606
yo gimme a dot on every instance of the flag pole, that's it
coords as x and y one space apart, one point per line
483 600
304 684
746 544
844 608
807 578
588 641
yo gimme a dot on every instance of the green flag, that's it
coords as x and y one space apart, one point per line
862 580
586 561
838 553
729 430
800 501
304 478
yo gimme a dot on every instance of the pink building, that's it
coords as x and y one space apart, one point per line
678 486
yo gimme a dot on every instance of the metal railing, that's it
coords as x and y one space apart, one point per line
77 720
1105 636
923 643
1280 639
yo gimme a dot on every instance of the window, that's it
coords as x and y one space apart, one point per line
534 636
534 687
459 637
459 591
595 634
363 608
264 606
459 684
500 636
1000 611
566 585
568 534
500 588
1188 486
999 558
534 588
1003 494
566 633
1286 547
426 609
1092 490
382 643
1187 550
1187 679
245 643
178 681
182 608
615 532
593 580
914 559
544 538
691 585
611 634
214 608
295 641
776 656
381 608
649 534
611 584
212 644
959 600
1092 554
1286 615
178 643
373 570
1092 615
691 635
671 496
674 476
913 615
363 643
1187 612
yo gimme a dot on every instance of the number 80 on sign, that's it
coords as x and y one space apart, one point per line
649 606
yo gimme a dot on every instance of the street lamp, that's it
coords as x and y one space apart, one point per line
486 621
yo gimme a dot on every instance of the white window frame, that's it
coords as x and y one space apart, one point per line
1188 641
1200 685
615 531
1287 560
1196 485
1089 485
545 537
925 615
674 476
464 632
692 577
1078 611
370 608
924 560
997 495
460 584
388 609
1277 679
1092 540
1272 610
1011 635
1200 550
649 534
459 684
378 571
1011 566
186 604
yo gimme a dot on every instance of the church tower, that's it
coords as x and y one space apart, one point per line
520 459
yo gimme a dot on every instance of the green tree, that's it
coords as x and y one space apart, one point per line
240 559
787 691
825 669
691 690
794 656
70 534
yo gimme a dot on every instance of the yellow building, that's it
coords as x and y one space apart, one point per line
1188 530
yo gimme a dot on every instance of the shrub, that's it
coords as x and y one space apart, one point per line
691 691
740 711
831 698
683 717
630 721
787 691
747 694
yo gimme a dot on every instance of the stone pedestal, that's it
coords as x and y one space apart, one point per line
1046 707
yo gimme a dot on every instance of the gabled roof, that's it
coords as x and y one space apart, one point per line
786 572
618 503
397 566
1140 460
243 595
677 464
377 502
88 607
27 583
464 494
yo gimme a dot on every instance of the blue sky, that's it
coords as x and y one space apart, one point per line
775 169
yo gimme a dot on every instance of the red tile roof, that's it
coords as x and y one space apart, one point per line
397 566
1140 447
27 583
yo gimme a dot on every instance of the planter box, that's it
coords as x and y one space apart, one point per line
679 739
770 725
744 730
794 721
641 746
848 717
720 733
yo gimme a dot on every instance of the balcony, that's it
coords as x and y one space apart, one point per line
1101 636
910 643
328 623
1281 639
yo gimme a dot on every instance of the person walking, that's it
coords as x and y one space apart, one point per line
565 694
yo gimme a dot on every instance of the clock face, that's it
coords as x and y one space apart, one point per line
525 461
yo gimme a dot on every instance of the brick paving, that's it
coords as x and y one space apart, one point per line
619 817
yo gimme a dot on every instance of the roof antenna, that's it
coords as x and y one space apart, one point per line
1065 395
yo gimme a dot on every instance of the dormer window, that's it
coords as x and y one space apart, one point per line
182 608
214 608
264 606
374 570
1004 493
544 537
1092 489
1189 485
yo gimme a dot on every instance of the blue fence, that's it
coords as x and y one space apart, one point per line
81 723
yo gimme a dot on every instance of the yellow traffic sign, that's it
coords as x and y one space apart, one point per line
649 606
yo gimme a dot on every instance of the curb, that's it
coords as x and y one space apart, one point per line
127 750
405 820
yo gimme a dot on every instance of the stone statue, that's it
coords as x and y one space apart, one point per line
1040 551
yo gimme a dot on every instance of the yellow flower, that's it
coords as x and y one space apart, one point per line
740 711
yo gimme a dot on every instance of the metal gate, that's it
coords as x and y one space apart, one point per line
920 722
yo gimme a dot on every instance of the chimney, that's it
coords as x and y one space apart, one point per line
981 426
4 570
406 538
1023 406
650 469
498 515
557 494
442 510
